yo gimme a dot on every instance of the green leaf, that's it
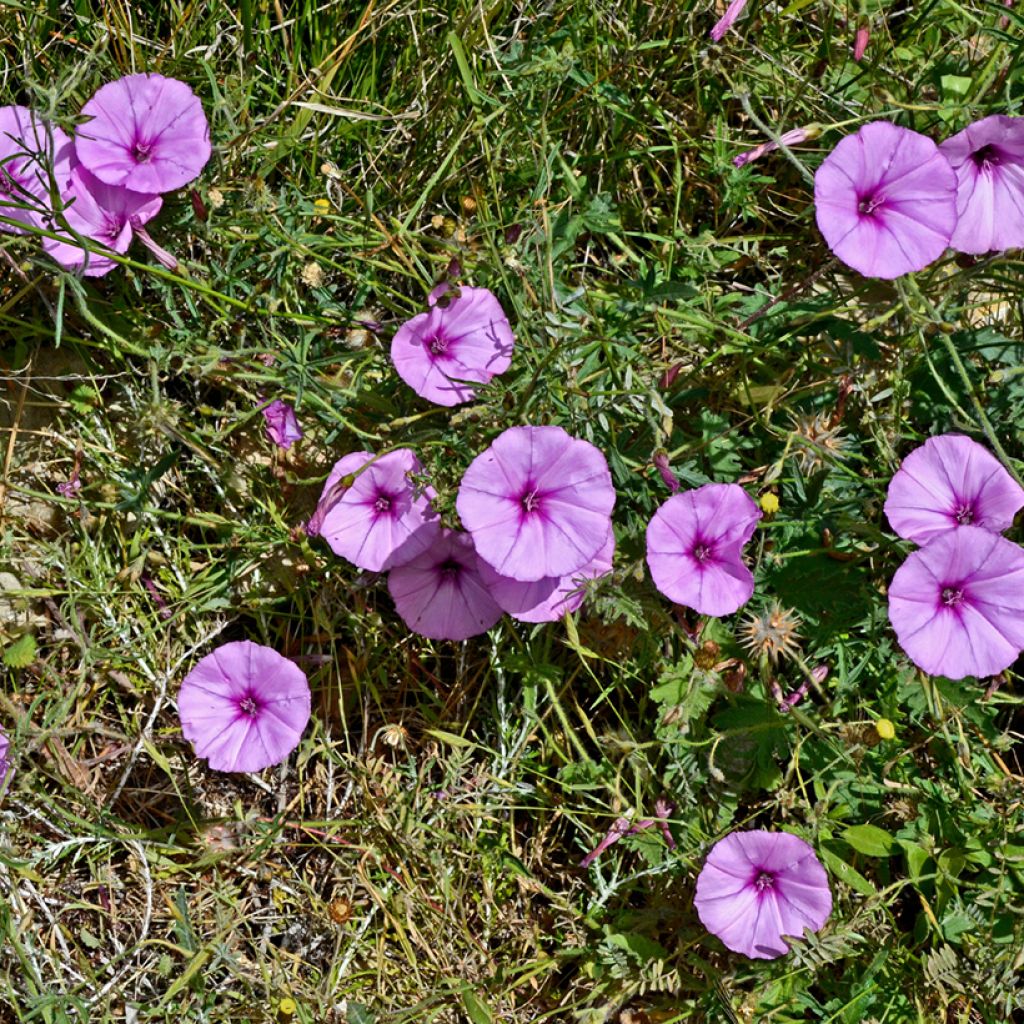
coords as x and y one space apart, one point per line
476 1009
640 946
916 857
21 653
870 840
359 1014
845 873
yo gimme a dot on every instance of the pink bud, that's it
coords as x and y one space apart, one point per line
661 464
733 11
860 42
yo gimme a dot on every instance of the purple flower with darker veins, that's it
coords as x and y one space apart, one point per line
108 214
695 548
957 604
988 159
756 887
282 424
466 339
885 200
951 481
537 503
33 155
145 132
440 594
377 518
244 707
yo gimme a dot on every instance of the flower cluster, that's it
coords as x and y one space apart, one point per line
889 201
536 507
957 602
143 135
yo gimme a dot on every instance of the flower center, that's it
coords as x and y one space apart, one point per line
382 504
449 570
142 152
765 880
963 514
248 706
530 501
952 596
438 345
869 203
987 156
701 553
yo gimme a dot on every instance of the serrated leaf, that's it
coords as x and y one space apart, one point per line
870 840
21 653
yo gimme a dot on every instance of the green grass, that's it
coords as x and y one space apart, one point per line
417 858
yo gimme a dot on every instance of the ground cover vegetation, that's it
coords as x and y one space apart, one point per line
539 822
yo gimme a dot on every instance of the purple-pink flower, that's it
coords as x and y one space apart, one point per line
440 354
378 517
108 214
948 482
440 593
957 604
282 424
537 503
145 132
547 599
885 200
35 157
988 159
695 548
727 20
756 887
791 138
5 762
244 707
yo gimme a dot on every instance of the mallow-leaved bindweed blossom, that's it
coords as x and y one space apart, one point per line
988 160
464 339
377 517
757 887
695 548
107 214
537 503
282 424
948 482
35 161
885 200
5 759
244 707
957 604
145 132
440 593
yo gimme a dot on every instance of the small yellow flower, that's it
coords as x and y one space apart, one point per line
769 503
286 1007
885 729
322 206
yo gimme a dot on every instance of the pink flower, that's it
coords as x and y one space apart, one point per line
538 503
755 887
379 518
988 159
244 707
790 138
547 599
695 548
957 604
5 763
949 482
732 12
860 42
468 339
282 424
885 200
33 156
440 593
108 214
145 132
